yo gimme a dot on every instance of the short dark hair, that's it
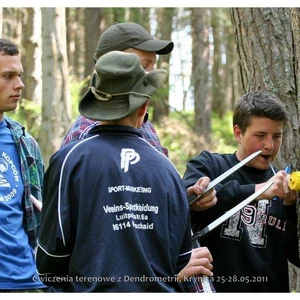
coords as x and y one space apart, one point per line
9 48
258 104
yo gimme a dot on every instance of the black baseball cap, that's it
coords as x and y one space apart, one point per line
121 36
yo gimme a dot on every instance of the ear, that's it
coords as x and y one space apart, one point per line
141 114
237 133
142 110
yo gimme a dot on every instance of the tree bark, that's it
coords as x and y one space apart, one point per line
1 20
56 109
32 54
266 47
32 63
92 23
160 101
200 72
218 96
295 13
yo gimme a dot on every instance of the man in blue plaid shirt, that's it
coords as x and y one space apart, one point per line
21 178
133 38
82 126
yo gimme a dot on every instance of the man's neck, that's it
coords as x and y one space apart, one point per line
125 122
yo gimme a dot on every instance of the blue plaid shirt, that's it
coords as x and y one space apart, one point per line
198 284
32 170
82 126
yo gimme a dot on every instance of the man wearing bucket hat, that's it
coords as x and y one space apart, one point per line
133 38
126 229
128 37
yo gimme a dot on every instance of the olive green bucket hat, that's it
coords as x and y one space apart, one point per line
120 85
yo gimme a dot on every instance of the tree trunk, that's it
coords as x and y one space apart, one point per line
200 73
75 46
56 110
266 49
1 20
295 13
119 15
92 23
160 101
32 61
231 78
218 97
12 27
140 15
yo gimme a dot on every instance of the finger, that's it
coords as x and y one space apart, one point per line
205 271
206 203
207 199
286 188
203 254
197 263
207 196
204 181
201 270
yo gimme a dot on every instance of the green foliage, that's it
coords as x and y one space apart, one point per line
222 130
76 92
175 133
28 113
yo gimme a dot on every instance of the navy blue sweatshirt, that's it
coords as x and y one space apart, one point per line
250 249
115 217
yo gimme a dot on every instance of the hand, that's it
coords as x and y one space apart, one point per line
199 264
279 188
290 197
208 200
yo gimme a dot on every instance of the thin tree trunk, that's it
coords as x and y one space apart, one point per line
200 72
160 101
218 97
1 20
32 62
56 110
92 21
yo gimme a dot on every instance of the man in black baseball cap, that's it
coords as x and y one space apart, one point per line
121 36
132 38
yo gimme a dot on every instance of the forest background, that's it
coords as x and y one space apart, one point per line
220 54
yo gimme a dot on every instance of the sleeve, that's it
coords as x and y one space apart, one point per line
33 175
54 246
229 192
79 130
150 135
292 235
186 249
37 173
72 135
181 224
